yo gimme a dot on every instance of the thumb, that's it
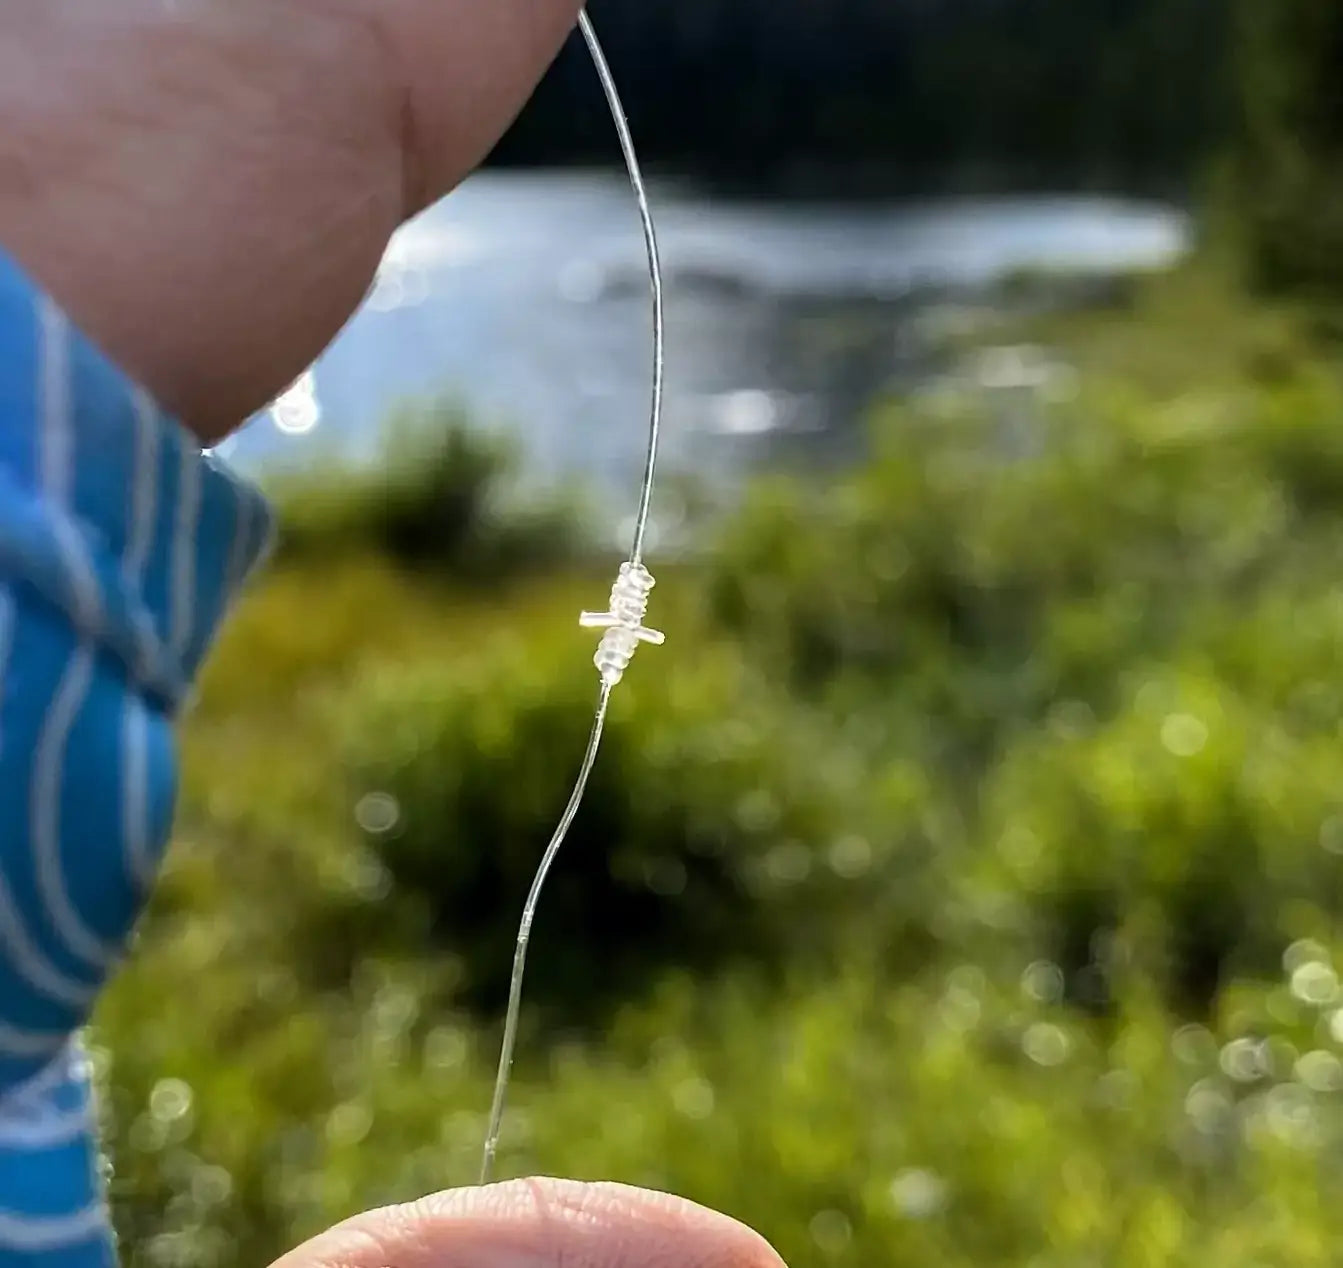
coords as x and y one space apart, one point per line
539 1224
467 69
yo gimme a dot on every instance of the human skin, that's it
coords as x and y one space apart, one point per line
207 187
539 1224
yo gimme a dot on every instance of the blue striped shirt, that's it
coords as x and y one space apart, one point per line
121 547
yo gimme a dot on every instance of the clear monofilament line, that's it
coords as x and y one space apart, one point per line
623 622
654 274
525 936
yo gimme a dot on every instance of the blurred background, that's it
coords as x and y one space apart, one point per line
961 886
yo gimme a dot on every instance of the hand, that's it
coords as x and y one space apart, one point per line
207 186
539 1224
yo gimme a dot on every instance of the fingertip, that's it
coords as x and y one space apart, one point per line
542 1223
658 1219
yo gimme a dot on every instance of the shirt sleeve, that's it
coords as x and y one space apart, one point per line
122 546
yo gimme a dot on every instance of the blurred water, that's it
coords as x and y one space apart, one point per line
524 296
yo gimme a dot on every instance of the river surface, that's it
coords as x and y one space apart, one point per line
523 297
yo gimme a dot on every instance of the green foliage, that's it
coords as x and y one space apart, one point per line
443 498
1289 164
718 824
960 1119
1090 627
1187 835
963 887
979 575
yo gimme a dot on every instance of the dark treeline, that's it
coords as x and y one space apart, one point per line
915 93
1287 193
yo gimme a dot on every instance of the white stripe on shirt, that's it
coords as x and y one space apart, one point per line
56 440
34 1234
21 952
144 489
183 599
48 768
141 860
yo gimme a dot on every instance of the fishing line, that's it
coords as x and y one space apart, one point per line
623 620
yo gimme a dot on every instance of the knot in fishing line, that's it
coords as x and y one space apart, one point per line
623 622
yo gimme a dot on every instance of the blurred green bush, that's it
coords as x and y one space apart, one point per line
960 887
980 575
1189 835
444 496
720 823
